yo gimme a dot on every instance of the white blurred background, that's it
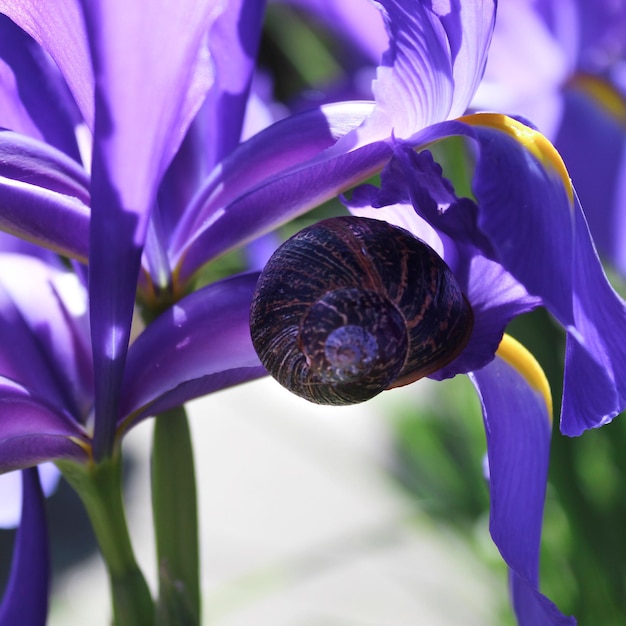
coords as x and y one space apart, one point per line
302 523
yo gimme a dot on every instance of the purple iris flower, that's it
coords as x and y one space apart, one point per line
139 170
557 63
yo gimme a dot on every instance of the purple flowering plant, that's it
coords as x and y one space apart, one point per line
121 152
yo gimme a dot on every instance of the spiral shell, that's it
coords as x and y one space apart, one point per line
351 306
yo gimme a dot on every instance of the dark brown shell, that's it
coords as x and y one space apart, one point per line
351 306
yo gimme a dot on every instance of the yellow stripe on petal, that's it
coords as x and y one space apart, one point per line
531 139
85 446
603 93
518 357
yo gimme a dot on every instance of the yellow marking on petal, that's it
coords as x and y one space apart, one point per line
82 444
518 357
603 93
531 139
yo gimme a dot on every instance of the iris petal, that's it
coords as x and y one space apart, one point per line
594 388
26 597
56 221
204 338
37 163
413 85
238 30
280 198
59 28
532 217
134 142
591 124
436 56
44 195
43 313
517 425
34 98
284 146
43 433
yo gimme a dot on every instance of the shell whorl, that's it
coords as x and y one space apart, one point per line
351 306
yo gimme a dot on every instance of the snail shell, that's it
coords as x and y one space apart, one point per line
351 306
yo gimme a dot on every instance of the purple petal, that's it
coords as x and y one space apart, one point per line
594 389
535 224
532 608
280 198
33 431
25 599
55 221
496 298
284 146
197 388
517 425
44 334
589 126
31 161
238 31
469 27
44 195
526 67
33 96
433 64
143 53
17 245
59 28
11 492
203 339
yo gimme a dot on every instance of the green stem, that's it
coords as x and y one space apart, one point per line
100 489
175 515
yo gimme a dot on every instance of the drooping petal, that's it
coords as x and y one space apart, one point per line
594 388
143 53
201 344
517 425
532 608
33 431
532 217
25 599
59 28
34 98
